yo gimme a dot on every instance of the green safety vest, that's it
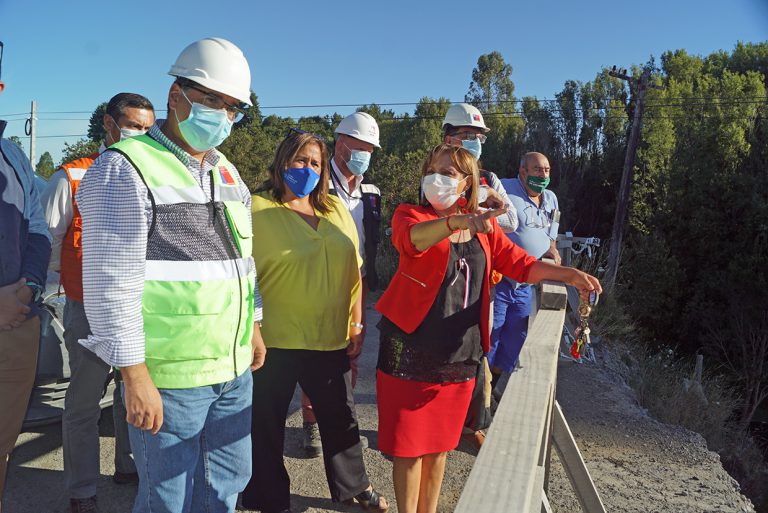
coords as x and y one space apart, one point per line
198 297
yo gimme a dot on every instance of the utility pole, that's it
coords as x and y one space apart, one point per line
638 87
30 129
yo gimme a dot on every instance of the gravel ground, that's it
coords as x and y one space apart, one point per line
638 464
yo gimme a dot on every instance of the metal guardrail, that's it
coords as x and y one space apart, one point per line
511 471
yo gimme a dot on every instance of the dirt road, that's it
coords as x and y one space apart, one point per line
638 464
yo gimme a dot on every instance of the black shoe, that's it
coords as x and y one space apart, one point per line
124 478
313 447
83 505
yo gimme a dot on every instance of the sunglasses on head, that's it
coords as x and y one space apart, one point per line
293 130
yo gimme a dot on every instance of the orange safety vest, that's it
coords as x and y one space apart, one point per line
71 247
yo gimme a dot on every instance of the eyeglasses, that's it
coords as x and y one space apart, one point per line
216 102
293 130
469 136
472 137
1 59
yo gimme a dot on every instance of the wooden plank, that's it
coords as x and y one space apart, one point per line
574 465
545 507
503 477
552 296
538 491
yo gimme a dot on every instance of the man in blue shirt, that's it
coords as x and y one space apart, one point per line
538 221
25 247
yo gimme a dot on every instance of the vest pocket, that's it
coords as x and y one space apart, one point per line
237 215
186 320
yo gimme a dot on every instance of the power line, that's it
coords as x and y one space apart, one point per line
721 99
70 135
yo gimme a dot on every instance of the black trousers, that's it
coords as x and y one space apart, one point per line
325 377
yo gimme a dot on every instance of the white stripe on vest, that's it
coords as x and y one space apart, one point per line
197 270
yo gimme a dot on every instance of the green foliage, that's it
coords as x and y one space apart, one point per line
78 149
15 139
491 84
45 167
96 130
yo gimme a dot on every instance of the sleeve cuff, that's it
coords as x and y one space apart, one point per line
107 350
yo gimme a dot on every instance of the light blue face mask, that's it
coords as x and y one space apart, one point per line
474 146
359 161
205 128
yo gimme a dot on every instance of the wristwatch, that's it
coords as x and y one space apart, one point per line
37 291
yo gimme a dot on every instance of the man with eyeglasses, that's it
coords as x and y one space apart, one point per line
25 246
464 126
127 115
170 288
538 222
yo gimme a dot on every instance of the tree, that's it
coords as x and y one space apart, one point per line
81 148
45 167
15 139
252 114
491 87
96 130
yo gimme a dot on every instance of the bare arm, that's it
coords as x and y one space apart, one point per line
355 332
579 279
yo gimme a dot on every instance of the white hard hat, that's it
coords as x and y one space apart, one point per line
217 64
464 114
360 125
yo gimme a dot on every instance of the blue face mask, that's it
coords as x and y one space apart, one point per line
301 180
205 128
359 161
474 146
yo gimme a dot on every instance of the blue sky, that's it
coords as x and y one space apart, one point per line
70 56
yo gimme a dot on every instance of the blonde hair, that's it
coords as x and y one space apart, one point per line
466 164
286 153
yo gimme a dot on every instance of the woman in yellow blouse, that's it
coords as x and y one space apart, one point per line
308 265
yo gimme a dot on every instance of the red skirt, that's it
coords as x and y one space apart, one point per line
417 418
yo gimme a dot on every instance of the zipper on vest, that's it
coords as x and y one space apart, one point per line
219 218
414 279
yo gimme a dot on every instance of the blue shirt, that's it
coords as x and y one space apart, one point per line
537 224
25 244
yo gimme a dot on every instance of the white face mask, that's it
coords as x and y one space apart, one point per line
441 191
127 133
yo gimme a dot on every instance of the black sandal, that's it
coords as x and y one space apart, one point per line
370 500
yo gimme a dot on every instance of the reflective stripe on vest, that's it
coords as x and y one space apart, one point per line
198 299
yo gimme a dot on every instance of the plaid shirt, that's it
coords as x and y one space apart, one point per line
117 213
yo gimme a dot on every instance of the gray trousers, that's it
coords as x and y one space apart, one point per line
80 422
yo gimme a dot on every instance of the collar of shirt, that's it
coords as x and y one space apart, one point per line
102 148
211 156
342 180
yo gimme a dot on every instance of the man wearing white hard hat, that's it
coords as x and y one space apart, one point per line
170 287
357 135
464 126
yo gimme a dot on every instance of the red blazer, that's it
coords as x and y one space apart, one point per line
419 274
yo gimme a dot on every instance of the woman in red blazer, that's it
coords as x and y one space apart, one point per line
432 337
